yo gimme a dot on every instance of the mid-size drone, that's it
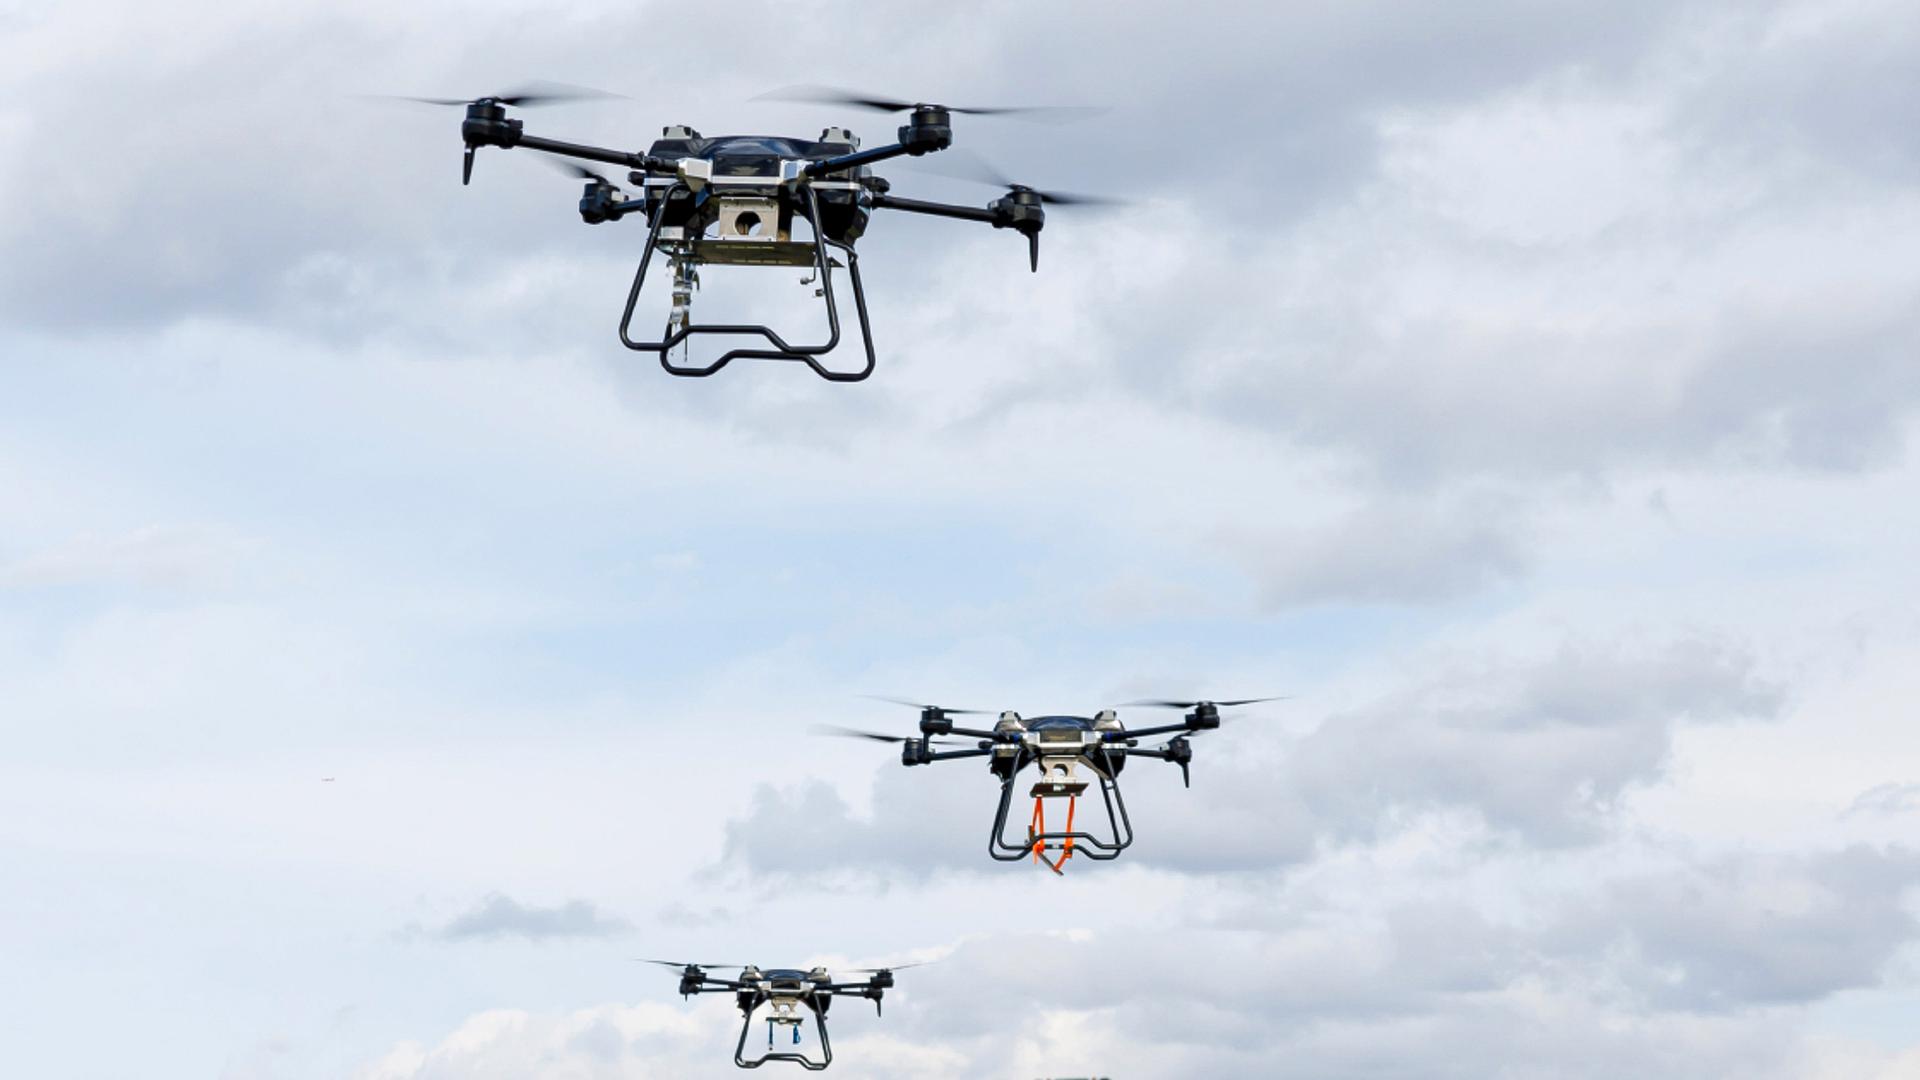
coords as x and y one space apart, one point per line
1057 747
732 200
784 992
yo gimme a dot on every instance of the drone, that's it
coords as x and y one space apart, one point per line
1058 747
784 992
733 200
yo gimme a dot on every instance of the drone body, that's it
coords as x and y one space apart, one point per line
1058 748
735 201
788 995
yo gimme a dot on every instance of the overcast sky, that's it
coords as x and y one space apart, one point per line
1528 389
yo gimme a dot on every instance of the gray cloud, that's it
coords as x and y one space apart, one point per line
1448 268
1543 751
1643 962
1394 553
247 214
1743 930
1888 798
500 916
266 169
1540 752
684 916
1491 384
809 833
1667 971
1832 94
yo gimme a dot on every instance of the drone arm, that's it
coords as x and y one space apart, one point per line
949 755
1177 751
627 158
1148 732
487 124
1020 211
882 201
863 989
817 169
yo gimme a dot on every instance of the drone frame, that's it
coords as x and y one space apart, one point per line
756 988
928 130
1055 744
823 266
819 1025
1041 840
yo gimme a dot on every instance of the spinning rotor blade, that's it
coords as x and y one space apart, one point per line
895 967
923 708
576 170
1157 703
832 95
678 966
959 163
856 733
530 95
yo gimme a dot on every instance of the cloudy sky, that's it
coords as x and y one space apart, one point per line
1528 389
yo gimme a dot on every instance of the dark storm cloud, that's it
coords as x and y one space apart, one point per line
500 916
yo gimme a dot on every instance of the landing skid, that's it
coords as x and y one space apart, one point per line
823 265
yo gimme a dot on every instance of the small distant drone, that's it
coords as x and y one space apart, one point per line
784 992
1057 747
732 201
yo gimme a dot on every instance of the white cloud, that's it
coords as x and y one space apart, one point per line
500 916
314 463
606 1042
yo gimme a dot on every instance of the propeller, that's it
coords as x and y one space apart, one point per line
1023 204
959 163
856 733
1204 717
833 95
489 111
924 708
679 966
577 171
895 967
528 96
1160 703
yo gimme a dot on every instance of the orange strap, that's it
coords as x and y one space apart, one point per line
1039 826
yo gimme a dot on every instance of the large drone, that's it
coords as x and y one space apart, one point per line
784 992
732 200
1057 747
